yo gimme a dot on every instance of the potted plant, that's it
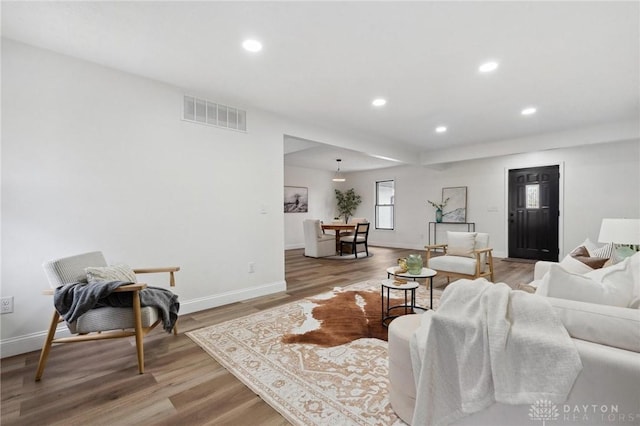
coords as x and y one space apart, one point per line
439 208
348 202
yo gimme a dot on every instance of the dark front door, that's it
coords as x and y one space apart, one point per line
533 213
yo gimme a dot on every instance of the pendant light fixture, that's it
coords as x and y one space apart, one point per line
338 177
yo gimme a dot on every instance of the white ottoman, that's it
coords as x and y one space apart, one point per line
402 392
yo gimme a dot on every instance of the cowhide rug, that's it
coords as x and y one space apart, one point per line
345 317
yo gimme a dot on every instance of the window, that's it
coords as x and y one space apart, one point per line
533 196
384 204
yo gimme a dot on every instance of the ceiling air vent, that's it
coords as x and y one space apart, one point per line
206 112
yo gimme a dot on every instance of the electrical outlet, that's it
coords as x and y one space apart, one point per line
6 305
252 267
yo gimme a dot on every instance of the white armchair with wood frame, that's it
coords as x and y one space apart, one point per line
103 322
466 255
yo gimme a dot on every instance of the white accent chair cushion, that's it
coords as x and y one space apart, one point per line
457 264
112 319
461 243
71 269
460 258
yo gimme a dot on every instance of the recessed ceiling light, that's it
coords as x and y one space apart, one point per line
252 45
441 129
528 111
379 102
488 66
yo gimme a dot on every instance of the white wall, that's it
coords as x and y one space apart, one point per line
97 159
600 180
321 201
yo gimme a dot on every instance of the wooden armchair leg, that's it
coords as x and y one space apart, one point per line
491 265
137 316
46 347
175 328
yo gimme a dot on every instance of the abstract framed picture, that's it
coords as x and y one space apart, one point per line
296 199
456 209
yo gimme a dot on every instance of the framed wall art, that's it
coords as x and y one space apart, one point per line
296 199
456 209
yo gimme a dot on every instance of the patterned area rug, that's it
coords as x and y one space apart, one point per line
308 384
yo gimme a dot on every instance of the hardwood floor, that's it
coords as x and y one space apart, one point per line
97 382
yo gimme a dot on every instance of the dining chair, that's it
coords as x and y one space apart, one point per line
316 242
360 236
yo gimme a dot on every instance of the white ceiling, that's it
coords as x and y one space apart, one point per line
323 62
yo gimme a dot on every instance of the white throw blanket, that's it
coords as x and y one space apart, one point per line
487 343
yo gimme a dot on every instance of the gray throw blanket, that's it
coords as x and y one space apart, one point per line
74 299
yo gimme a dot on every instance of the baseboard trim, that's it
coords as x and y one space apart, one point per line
28 342
408 246
294 246
200 304
33 341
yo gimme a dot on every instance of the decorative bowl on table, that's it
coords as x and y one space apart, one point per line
402 266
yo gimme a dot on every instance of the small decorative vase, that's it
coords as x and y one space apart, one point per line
414 264
439 215
402 265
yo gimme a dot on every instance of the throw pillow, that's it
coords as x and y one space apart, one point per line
604 251
590 246
626 273
120 272
582 254
613 289
573 265
461 243
580 251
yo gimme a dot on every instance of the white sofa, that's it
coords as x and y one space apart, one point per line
607 390
610 378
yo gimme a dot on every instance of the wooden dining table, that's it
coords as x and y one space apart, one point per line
338 228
